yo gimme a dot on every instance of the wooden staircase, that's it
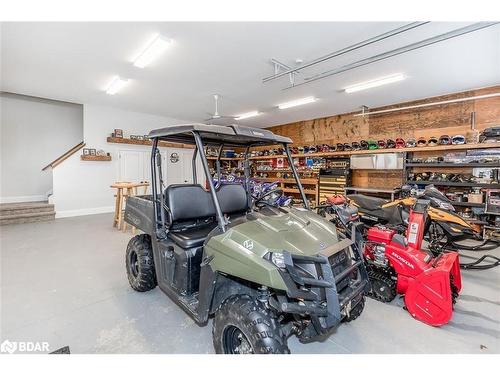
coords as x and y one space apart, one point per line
26 212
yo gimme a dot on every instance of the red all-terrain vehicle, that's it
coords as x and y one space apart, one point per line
398 265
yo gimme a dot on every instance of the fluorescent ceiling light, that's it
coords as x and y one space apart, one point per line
294 103
153 49
375 83
116 85
247 115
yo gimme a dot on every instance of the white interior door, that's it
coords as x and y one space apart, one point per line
146 167
175 166
135 166
179 168
131 166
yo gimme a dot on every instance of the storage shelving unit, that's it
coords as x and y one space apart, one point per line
447 167
313 184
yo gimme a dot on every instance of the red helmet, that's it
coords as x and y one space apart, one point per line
335 199
400 143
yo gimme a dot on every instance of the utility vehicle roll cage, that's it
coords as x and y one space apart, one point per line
201 135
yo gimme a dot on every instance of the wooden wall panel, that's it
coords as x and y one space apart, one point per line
450 119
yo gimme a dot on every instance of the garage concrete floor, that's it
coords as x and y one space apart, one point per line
64 282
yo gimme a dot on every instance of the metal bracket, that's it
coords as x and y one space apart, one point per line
279 67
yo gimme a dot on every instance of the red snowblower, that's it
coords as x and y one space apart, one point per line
397 265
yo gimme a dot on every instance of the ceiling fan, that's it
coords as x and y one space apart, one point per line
216 117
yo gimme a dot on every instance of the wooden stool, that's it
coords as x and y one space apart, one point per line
123 191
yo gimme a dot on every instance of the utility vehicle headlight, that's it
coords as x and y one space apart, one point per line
278 260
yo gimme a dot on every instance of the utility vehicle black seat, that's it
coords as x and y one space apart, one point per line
192 212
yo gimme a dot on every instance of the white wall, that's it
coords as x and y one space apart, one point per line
83 187
34 132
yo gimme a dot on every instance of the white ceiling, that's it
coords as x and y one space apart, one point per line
74 62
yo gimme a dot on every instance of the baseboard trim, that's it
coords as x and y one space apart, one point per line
25 198
84 211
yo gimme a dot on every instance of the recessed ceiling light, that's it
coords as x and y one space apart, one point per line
156 46
116 85
247 115
294 103
375 83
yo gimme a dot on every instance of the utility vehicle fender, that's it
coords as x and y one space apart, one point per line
226 286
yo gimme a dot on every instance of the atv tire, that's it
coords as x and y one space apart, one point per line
140 265
242 325
383 287
356 311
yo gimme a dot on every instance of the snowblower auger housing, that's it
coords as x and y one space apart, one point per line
263 273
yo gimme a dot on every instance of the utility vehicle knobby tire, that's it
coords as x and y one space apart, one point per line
356 311
140 265
250 318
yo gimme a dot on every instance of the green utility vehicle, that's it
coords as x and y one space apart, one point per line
263 272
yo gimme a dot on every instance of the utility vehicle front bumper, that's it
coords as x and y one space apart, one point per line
331 294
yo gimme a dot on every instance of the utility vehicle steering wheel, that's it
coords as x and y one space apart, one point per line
264 200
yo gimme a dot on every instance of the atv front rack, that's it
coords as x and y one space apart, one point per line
325 295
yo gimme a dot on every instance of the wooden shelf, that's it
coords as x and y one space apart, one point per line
284 170
306 191
305 181
453 165
145 142
458 184
95 158
264 157
215 158
386 150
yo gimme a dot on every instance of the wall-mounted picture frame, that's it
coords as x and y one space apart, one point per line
86 151
118 133
92 152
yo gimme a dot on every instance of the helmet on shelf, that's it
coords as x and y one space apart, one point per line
381 144
363 144
372 145
411 142
340 147
422 142
400 143
445 140
355 146
391 143
458 139
433 141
